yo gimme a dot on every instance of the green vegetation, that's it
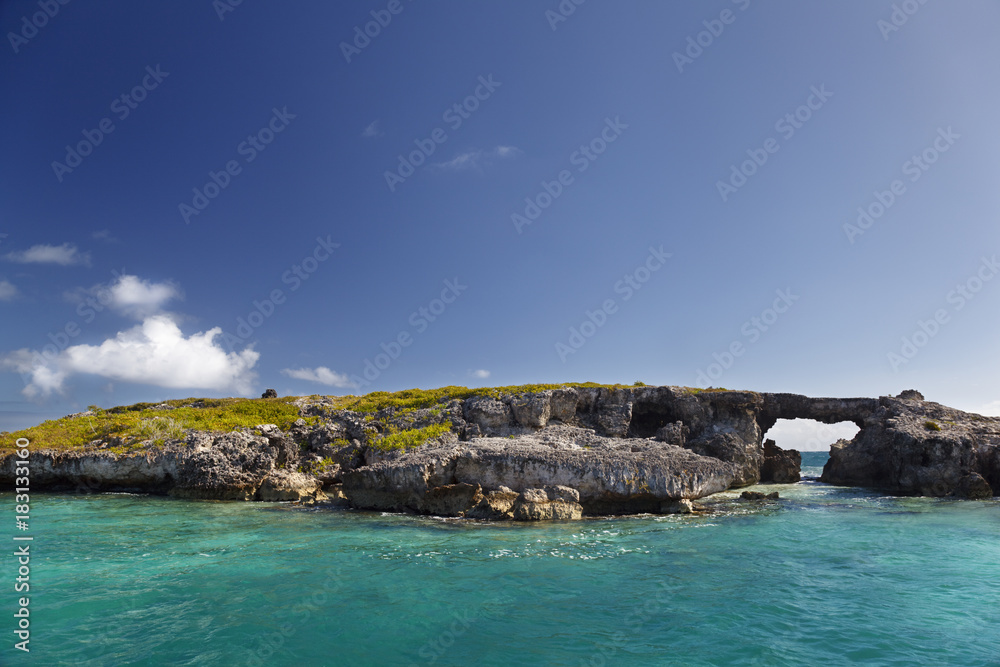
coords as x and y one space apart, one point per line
409 438
931 426
136 423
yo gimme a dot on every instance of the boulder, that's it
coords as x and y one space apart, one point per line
492 416
532 410
269 393
974 487
780 466
546 504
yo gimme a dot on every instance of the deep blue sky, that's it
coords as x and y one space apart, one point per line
112 227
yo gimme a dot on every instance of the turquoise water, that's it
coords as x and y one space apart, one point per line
827 575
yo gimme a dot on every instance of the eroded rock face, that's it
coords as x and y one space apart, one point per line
610 475
918 447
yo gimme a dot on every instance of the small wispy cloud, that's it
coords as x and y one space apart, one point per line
481 374
103 235
372 131
7 291
477 158
66 254
320 374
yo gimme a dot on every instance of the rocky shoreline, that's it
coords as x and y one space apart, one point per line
555 454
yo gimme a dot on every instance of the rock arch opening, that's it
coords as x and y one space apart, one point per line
809 435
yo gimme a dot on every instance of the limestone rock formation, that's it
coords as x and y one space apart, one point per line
914 447
555 454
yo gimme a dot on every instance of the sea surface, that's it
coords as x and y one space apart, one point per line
824 576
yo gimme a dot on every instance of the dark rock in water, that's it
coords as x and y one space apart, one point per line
780 466
269 393
974 487
757 495
917 447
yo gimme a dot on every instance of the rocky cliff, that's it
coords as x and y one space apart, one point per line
558 453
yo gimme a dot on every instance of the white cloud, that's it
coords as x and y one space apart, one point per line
139 298
321 374
475 159
130 295
372 131
66 254
154 352
482 374
7 291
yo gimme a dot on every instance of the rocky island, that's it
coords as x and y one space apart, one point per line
523 453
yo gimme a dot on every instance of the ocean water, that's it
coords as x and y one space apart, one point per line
824 576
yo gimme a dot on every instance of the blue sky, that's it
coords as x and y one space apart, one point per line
201 199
